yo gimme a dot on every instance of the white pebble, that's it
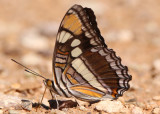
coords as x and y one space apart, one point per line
125 36
156 110
31 59
110 106
33 40
137 110
156 98
156 64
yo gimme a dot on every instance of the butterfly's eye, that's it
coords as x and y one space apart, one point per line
48 83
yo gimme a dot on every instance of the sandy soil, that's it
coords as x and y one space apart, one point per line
28 32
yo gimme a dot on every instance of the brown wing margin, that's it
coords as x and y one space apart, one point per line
92 19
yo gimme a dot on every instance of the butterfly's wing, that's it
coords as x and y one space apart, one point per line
83 66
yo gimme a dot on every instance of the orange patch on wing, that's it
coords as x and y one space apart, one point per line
62 65
114 92
63 53
66 69
71 79
78 31
72 23
87 91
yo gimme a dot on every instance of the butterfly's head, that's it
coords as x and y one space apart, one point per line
48 83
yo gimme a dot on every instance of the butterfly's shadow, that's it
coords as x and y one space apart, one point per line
53 104
62 104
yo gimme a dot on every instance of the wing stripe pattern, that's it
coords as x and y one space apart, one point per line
83 65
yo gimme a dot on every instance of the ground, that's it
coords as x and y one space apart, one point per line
28 33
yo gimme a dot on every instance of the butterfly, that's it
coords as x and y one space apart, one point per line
83 66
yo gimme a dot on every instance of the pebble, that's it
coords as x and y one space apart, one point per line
110 106
151 105
57 112
125 111
31 59
33 40
156 110
1 111
125 36
156 98
137 110
82 108
13 112
9 101
27 105
156 64
15 86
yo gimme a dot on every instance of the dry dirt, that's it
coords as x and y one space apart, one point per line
27 34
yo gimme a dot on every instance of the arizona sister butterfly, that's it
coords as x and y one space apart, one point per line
83 65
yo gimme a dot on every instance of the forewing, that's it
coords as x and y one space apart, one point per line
75 35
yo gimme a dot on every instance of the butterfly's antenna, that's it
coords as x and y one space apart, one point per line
28 70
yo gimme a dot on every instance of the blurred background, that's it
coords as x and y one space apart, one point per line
28 32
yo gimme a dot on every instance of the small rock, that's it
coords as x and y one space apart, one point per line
125 36
151 105
33 40
55 111
109 106
27 105
13 112
156 98
156 64
1 111
31 59
9 101
125 111
137 110
82 108
15 86
156 110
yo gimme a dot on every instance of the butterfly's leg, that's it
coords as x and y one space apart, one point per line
43 95
41 99
51 94
56 102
